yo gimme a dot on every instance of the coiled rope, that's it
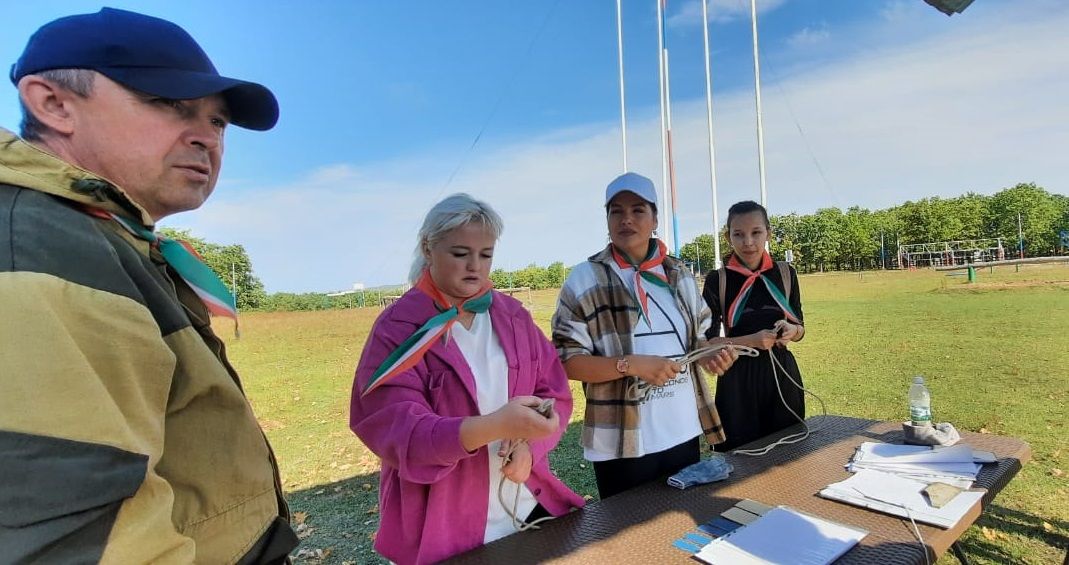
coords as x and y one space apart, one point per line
638 389
792 438
545 408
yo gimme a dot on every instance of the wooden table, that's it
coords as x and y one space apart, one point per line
640 525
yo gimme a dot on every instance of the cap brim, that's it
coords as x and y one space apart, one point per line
251 105
619 191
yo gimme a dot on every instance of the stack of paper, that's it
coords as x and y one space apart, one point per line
952 465
899 496
783 535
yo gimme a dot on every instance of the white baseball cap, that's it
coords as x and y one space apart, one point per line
632 182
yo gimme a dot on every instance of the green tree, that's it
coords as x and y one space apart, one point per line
531 276
699 252
929 220
1063 223
293 302
786 234
555 275
821 236
231 264
1040 213
500 277
887 226
972 210
860 244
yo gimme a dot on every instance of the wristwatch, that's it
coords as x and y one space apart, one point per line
623 365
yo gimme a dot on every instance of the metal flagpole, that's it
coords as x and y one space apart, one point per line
620 53
1020 237
664 136
671 166
883 253
671 157
712 148
757 92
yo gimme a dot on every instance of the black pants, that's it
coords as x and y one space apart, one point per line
617 475
749 402
538 512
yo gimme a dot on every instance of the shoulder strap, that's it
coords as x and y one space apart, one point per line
785 276
722 279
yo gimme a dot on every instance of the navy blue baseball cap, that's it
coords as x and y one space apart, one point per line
147 54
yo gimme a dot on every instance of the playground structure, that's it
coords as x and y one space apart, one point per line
950 253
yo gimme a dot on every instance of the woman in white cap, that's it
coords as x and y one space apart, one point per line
622 318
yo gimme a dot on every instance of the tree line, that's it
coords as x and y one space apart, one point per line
532 276
831 239
234 267
828 239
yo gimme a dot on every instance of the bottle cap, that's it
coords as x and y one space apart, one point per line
918 380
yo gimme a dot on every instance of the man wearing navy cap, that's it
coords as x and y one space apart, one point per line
125 436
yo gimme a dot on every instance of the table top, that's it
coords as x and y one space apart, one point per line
639 526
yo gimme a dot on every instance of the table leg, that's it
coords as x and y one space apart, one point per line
956 548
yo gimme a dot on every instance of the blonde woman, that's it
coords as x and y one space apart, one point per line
446 394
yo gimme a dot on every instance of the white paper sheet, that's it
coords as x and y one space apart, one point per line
953 465
783 535
897 453
893 494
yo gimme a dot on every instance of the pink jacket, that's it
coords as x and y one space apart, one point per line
432 492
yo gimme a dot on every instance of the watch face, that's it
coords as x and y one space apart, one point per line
622 365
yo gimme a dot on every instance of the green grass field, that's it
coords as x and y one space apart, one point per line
995 355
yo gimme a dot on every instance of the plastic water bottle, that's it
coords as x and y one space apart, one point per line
920 403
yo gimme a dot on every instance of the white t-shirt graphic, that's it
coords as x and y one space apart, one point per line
669 415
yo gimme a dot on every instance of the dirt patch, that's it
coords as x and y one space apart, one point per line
1009 285
270 425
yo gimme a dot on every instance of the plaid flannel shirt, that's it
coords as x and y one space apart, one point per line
596 315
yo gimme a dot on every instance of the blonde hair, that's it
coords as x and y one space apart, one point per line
454 211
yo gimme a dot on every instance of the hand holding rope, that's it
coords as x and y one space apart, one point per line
638 389
545 409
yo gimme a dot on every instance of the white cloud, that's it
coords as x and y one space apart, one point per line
897 11
720 11
808 36
978 106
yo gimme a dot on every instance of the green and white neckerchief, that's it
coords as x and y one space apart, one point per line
411 350
644 271
734 312
185 261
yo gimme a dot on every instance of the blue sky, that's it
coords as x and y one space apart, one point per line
868 103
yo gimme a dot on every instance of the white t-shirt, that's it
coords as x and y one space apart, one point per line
668 416
484 355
